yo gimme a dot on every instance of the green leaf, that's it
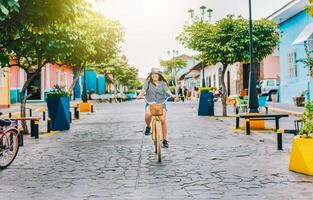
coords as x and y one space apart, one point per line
4 10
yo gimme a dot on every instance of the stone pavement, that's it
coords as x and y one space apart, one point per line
105 156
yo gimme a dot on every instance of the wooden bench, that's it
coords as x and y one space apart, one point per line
76 112
257 116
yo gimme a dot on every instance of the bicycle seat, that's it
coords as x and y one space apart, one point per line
5 122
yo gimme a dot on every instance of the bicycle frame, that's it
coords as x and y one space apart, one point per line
157 136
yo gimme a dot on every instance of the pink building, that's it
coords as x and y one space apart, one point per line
51 74
270 67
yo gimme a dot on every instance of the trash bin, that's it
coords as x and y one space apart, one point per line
206 104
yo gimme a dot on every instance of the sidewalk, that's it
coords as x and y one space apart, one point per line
286 108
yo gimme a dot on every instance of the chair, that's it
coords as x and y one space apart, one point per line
263 103
242 103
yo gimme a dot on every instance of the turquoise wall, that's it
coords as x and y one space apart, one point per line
290 29
100 84
91 80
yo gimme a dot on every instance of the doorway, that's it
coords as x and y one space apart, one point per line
34 87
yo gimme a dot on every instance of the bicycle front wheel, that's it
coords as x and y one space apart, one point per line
158 145
9 146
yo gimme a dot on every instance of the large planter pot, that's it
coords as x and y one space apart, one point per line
206 104
299 101
301 158
59 112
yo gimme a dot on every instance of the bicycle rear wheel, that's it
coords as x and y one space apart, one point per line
9 146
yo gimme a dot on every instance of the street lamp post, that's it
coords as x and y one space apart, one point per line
175 53
209 12
84 97
253 99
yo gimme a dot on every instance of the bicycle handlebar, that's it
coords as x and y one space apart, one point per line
158 103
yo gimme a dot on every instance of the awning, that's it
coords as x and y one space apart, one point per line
304 35
193 74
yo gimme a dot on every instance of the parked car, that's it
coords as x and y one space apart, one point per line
268 87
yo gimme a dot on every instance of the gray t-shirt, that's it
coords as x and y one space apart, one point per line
155 93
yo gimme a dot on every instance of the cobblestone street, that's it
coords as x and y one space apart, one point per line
105 156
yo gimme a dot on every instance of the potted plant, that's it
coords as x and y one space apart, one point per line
301 159
58 102
299 101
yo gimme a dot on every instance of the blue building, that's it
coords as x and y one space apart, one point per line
296 27
95 84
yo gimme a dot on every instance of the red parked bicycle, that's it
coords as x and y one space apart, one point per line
9 141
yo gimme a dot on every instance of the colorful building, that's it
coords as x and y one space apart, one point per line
4 87
231 79
296 28
51 74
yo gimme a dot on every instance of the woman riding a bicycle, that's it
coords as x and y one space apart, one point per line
156 91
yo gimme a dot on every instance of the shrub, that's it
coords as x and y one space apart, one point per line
209 89
307 118
57 91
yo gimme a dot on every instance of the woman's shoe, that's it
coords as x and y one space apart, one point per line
165 144
148 131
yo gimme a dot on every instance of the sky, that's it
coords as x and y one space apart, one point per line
151 26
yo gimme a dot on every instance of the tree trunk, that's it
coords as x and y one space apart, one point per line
70 90
224 90
24 98
23 112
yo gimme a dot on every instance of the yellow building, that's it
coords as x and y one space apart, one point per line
4 88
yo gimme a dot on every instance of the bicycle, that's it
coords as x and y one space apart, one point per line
9 142
156 111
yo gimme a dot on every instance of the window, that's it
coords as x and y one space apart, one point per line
65 80
214 80
1 79
58 77
291 65
271 83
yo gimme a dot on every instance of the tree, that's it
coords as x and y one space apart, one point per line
96 41
227 42
309 7
122 72
7 6
172 67
65 32
34 38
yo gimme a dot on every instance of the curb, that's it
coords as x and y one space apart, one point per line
294 113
